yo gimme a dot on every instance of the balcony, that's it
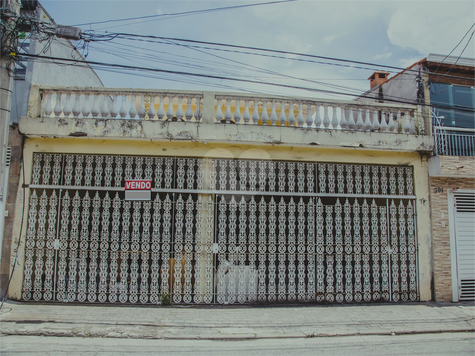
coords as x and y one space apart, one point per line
222 117
452 141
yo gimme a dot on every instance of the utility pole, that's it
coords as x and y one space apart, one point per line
9 11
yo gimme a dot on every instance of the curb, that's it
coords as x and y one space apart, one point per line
225 338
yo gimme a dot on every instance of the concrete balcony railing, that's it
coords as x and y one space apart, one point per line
454 141
224 108
200 116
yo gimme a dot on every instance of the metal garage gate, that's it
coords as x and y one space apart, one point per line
219 231
464 228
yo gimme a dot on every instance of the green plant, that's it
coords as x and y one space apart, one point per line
165 299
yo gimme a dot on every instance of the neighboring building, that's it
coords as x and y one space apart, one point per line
29 73
132 196
445 88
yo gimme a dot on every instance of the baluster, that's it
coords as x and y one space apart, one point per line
291 119
141 112
291 114
375 125
113 107
343 122
264 116
179 111
161 110
58 107
411 122
318 118
407 125
351 119
309 120
392 125
300 118
255 113
198 110
366 120
170 113
273 115
334 121
282 117
105 106
133 109
48 107
326 118
68 106
237 112
398 123
123 107
219 112
151 109
228 115
359 121
188 112
86 110
95 106
77 107
246 117
384 124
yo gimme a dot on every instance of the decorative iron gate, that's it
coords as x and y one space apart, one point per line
219 231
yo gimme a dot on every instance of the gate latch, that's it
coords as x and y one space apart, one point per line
56 244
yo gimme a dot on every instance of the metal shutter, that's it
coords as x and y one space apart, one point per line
465 237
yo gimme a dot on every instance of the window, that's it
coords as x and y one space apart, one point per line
460 103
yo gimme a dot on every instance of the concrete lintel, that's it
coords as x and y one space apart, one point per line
228 133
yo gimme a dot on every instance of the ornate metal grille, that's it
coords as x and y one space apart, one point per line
219 231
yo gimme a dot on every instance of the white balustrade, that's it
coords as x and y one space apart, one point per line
229 109
351 116
121 105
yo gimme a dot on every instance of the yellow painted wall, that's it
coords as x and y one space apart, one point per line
243 151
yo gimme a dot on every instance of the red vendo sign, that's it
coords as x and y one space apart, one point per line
135 184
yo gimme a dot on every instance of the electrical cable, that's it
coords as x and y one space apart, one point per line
442 61
193 12
357 91
348 62
114 65
242 65
460 55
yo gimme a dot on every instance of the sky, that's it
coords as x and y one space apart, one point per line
382 33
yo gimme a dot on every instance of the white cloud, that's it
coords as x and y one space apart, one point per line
432 28
385 55
329 39
406 62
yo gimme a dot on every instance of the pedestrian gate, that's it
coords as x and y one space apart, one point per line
219 231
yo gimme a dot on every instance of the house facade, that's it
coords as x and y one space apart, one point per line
27 73
133 196
445 88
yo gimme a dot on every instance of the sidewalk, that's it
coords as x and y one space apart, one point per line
236 322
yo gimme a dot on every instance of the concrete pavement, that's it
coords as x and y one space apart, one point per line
233 322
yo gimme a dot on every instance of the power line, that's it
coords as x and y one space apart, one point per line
114 65
458 44
463 50
238 49
194 12
253 68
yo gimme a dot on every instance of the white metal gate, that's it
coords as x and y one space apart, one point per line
219 231
464 226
